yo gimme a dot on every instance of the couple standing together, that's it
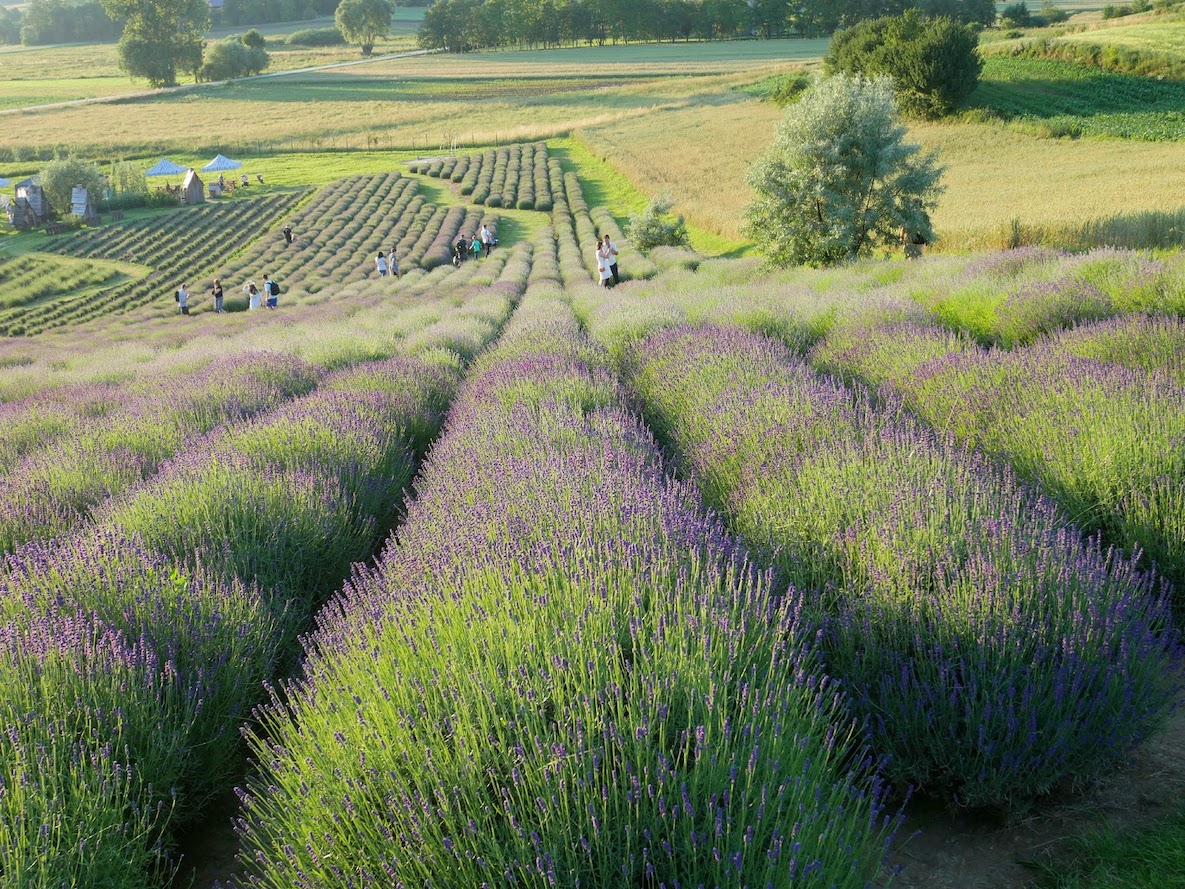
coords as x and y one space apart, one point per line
607 261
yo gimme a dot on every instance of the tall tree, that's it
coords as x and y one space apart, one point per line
364 21
160 37
839 179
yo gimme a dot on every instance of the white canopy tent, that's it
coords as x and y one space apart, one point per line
221 164
165 167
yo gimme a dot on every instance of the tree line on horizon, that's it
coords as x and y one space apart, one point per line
468 25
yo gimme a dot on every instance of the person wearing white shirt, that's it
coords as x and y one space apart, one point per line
611 251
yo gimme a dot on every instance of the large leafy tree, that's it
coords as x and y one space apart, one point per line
934 63
60 176
364 21
839 179
160 37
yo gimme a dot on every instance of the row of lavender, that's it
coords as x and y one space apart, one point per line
64 452
1011 299
991 651
1096 415
563 674
132 650
174 244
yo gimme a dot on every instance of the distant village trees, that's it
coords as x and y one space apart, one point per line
466 25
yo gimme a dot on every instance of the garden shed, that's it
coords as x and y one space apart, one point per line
31 208
82 205
192 190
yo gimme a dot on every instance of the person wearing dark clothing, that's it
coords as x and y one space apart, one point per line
287 235
216 292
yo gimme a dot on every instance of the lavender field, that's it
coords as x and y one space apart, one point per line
487 576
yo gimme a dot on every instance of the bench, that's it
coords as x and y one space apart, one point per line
54 228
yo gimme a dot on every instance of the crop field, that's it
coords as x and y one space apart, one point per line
1069 99
1158 36
483 574
587 648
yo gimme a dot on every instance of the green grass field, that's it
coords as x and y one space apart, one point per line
92 71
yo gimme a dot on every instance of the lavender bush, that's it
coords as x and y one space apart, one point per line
993 652
563 674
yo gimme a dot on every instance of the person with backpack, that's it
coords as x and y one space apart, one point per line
272 290
487 238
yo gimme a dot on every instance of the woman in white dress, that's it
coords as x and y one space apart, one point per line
603 265
252 295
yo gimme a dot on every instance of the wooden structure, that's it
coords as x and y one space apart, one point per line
192 189
31 208
82 205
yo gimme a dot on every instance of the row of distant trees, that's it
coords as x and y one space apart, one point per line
466 25
88 21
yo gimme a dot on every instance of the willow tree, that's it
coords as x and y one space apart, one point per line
839 178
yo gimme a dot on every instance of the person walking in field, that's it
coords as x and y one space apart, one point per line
487 238
475 247
611 250
252 295
380 263
183 300
287 230
216 292
393 263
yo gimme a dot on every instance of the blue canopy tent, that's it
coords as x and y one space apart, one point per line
164 167
221 164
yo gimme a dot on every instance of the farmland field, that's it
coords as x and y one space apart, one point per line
482 573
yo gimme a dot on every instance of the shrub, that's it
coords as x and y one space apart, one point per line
230 58
651 229
934 63
316 37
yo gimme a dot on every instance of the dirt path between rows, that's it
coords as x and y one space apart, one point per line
973 852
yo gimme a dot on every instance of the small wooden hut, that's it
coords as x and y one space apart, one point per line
31 208
82 205
192 189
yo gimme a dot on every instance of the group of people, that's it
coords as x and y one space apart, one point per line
607 261
482 242
269 295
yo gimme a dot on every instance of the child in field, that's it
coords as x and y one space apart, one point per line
475 247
